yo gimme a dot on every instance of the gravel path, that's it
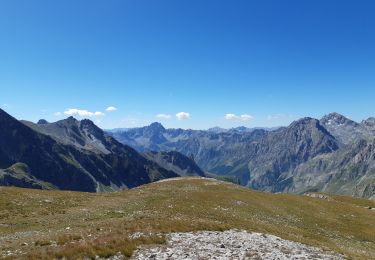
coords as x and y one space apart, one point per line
232 244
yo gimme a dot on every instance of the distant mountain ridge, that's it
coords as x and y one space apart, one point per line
333 154
70 155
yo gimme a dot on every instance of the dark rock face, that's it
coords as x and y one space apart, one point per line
72 155
332 154
45 158
284 149
19 175
176 162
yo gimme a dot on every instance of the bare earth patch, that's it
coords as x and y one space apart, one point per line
231 244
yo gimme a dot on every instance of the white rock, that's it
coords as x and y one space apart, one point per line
231 244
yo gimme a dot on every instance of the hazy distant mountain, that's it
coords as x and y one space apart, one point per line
218 130
331 154
72 155
214 152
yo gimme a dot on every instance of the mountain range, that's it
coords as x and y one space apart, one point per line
76 155
333 154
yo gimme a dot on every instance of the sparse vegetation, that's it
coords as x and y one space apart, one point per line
37 224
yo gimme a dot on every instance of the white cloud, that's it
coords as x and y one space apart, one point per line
82 113
163 116
234 117
246 117
111 109
182 115
57 114
231 117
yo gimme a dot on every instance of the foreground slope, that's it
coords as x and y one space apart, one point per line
55 223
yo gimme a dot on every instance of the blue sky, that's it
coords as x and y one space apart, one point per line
269 61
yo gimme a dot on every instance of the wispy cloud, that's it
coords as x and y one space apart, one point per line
234 117
82 112
183 115
111 109
57 114
163 116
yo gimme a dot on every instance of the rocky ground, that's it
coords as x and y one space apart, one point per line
232 244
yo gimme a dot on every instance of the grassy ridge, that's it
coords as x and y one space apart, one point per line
54 223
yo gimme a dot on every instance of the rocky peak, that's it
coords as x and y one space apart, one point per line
310 129
91 128
345 130
336 119
69 121
88 124
369 122
155 132
157 127
305 123
42 122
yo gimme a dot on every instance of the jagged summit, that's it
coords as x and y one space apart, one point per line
369 122
156 126
346 130
82 134
304 120
337 119
311 125
42 122
70 120
307 123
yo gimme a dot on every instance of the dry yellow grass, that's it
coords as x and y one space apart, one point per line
38 224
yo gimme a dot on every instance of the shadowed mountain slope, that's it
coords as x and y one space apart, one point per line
72 155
